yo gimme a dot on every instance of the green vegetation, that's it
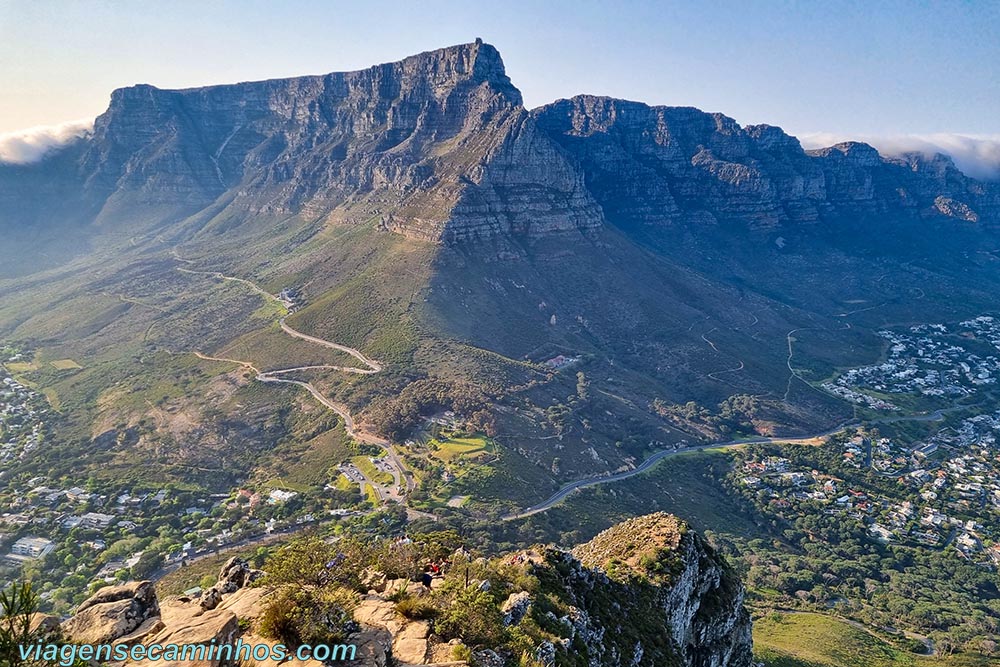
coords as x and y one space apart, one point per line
418 400
17 604
464 602
298 615
812 562
452 449
815 640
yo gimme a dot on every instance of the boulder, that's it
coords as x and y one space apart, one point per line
409 646
112 612
256 640
211 598
246 602
373 648
545 654
43 624
235 574
148 628
515 607
199 627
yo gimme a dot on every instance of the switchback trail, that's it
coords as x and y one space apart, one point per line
369 367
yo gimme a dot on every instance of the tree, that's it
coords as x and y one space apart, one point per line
17 604
305 560
149 562
582 386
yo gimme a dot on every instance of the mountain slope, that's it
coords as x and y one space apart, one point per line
424 217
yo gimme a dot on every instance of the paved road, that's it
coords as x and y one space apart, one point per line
401 475
561 494
256 540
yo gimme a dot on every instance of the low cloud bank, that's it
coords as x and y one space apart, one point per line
976 155
32 144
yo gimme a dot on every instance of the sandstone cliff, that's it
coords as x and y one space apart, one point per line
663 165
438 146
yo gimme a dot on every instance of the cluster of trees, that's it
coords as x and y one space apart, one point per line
397 416
737 414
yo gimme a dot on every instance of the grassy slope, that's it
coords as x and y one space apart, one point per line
814 640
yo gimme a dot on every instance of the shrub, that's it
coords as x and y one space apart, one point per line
461 652
297 616
474 617
398 595
17 604
418 609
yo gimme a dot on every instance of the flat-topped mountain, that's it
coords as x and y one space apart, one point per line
439 146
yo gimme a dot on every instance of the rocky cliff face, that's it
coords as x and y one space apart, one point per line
424 145
438 146
663 165
654 571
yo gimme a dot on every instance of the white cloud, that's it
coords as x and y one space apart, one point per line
978 155
31 145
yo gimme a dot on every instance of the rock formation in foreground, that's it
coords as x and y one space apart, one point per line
648 591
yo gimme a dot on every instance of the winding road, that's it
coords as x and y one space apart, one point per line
401 475
569 488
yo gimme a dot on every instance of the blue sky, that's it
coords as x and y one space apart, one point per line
848 68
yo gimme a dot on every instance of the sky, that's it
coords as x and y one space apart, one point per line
878 68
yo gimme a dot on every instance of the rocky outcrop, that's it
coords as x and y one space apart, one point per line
653 572
186 623
439 147
436 146
234 575
648 591
112 612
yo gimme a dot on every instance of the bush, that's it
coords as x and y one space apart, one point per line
417 609
398 595
474 617
297 616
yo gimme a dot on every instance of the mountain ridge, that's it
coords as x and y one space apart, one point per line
439 146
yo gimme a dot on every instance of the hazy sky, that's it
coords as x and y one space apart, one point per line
864 68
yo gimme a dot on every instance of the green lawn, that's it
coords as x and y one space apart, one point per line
452 449
815 640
